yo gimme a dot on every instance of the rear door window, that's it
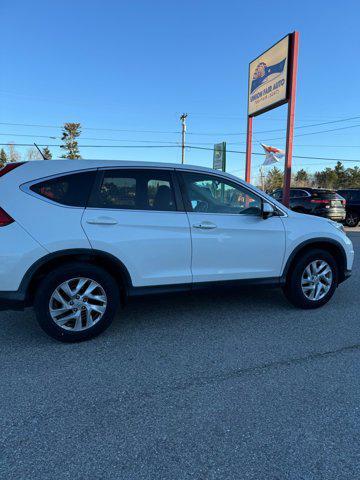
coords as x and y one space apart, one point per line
134 190
70 190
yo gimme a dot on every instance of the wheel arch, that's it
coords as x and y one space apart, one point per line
111 264
328 244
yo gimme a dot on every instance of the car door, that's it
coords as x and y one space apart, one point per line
135 215
230 238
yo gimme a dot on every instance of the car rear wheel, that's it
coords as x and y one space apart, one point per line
312 281
351 219
76 302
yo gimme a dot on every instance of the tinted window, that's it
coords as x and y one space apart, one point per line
350 195
301 193
72 190
134 189
277 194
345 194
211 194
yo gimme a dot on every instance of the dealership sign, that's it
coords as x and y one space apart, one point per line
268 79
219 158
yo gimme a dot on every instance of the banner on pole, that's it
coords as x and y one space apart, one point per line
268 79
219 157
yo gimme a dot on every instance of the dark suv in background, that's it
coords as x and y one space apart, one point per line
315 201
352 197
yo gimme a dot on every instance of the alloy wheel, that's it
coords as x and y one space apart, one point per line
316 280
78 304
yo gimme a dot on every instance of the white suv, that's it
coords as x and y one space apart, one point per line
79 236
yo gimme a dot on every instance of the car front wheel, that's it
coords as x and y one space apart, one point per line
312 281
76 302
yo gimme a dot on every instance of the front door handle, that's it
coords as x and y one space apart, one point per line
205 225
102 221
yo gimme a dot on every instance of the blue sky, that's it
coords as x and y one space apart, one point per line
137 65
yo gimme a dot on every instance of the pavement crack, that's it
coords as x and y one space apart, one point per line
262 368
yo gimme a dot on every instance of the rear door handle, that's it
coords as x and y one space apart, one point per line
102 221
205 225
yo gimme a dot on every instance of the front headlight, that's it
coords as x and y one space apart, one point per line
338 226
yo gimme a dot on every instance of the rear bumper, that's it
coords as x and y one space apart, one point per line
332 214
12 301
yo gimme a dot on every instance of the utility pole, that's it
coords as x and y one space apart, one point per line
262 183
183 134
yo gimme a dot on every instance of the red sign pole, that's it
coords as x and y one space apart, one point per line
248 149
291 116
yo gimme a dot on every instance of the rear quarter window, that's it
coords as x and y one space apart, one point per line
70 190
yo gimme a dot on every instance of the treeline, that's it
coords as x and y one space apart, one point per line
332 178
70 133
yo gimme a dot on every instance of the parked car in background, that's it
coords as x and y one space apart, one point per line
315 201
77 237
352 197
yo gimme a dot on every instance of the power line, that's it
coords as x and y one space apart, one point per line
89 128
194 133
165 142
193 147
314 133
284 129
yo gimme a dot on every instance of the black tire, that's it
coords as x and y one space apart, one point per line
293 289
62 274
351 219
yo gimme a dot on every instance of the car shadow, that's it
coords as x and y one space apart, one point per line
159 310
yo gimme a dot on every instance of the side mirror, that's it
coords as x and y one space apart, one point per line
267 210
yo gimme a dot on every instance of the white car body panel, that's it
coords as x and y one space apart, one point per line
240 247
18 252
154 246
55 227
301 228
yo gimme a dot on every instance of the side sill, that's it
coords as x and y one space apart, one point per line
218 285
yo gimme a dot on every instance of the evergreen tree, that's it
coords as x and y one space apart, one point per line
3 158
302 178
353 177
341 175
274 179
327 178
71 131
47 153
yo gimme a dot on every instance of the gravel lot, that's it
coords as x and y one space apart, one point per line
235 386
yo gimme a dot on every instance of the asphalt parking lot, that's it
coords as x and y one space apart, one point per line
233 386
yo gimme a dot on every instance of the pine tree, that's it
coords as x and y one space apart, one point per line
47 153
302 178
3 158
341 174
70 132
274 179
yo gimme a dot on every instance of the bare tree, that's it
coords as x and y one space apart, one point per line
33 154
13 155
